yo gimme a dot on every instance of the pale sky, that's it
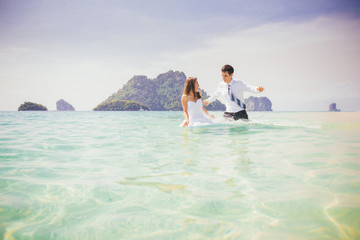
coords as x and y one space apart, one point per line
305 53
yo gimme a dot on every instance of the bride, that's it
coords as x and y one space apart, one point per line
194 111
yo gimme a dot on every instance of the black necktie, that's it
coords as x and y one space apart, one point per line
234 99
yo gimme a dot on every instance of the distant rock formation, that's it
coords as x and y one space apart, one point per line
332 108
160 94
29 106
258 104
62 105
122 105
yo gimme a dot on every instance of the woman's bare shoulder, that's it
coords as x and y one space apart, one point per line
185 97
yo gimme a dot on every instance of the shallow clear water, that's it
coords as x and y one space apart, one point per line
138 175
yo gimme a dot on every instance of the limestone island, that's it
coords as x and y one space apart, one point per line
160 94
121 105
258 104
62 105
332 108
29 106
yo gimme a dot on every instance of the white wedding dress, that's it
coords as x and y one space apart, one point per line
196 114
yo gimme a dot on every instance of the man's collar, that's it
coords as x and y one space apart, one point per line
231 82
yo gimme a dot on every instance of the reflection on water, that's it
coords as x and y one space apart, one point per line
131 175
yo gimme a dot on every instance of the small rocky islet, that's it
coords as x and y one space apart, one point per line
62 105
332 108
258 104
30 106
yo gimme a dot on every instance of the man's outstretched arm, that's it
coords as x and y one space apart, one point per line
213 97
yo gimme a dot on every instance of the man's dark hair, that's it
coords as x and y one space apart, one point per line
227 68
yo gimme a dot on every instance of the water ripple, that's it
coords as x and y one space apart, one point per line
133 175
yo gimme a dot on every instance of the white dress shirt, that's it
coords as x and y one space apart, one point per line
237 88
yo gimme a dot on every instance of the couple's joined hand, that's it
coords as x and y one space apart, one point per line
206 103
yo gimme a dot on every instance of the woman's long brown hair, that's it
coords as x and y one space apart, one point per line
190 87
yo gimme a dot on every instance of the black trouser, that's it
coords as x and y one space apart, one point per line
236 116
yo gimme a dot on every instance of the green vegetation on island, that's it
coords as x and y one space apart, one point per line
122 105
160 94
29 106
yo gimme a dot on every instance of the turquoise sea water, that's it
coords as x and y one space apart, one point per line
138 175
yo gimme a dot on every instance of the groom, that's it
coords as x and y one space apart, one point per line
232 92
